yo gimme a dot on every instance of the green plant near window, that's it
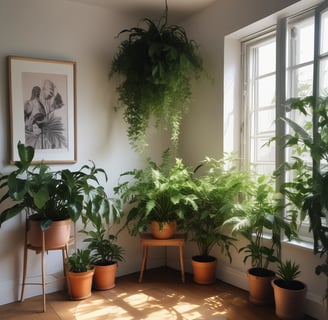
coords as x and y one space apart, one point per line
80 261
288 271
263 212
219 189
162 192
157 63
309 188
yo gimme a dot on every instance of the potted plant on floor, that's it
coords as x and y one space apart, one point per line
157 193
289 293
50 197
80 274
157 63
218 189
262 215
307 190
102 243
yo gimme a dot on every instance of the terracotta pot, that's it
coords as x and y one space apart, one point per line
80 284
204 269
104 277
56 236
164 230
260 289
289 302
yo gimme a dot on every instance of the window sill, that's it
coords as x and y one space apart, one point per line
306 245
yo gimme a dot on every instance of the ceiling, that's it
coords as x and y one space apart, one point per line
178 9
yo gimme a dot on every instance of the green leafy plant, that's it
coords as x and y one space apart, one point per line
288 271
262 212
157 63
162 192
80 261
101 242
307 191
218 189
51 195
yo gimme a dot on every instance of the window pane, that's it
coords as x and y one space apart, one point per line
266 121
267 58
303 81
324 33
262 152
267 91
323 77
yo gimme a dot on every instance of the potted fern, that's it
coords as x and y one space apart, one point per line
161 193
157 63
289 293
263 212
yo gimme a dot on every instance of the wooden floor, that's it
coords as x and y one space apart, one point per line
160 296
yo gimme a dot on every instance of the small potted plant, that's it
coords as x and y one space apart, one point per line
289 293
50 199
217 192
104 249
80 274
263 212
157 195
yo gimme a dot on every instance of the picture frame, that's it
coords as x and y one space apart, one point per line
42 99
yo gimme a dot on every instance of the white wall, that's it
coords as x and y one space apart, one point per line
59 29
64 30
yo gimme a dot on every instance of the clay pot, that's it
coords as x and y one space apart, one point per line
80 284
163 230
289 301
56 236
104 277
204 269
260 289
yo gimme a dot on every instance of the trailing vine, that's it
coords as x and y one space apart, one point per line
157 63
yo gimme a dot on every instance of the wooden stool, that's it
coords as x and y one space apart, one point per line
147 240
64 248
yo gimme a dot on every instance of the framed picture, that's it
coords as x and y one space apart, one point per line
43 108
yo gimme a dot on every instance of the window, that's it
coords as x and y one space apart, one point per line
288 61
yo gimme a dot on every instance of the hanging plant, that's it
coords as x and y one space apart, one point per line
157 64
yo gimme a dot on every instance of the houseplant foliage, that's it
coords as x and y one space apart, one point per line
103 245
218 187
289 292
157 63
161 192
307 191
262 213
51 195
80 274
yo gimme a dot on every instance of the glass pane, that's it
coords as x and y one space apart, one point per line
267 58
266 91
323 77
303 78
324 33
266 121
262 152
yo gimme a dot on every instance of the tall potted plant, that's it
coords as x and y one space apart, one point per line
307 191
50 197
218 189
289 293
263 213
157 63
102 243
159 192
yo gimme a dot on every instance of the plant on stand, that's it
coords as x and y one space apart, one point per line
159 192
157 63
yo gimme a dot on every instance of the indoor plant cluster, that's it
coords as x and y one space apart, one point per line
50 197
